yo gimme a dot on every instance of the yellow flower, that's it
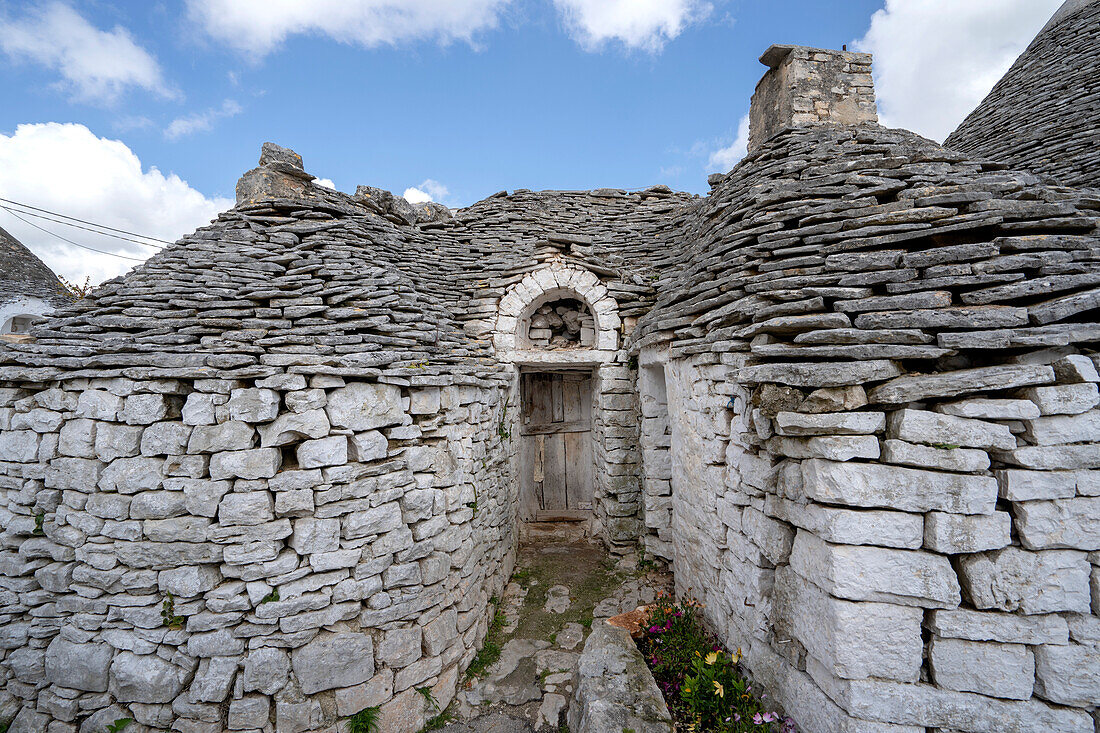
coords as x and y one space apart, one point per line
687 688
711 658
721 691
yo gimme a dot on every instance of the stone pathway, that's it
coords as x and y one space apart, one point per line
549 605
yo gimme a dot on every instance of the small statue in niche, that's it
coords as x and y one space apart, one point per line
562 324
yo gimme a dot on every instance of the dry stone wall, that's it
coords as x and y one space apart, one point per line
883 434
237 555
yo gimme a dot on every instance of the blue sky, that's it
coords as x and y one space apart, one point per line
457 98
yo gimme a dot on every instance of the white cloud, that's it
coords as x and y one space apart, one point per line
326 182
66 168
257 27
935 60
201 121
429 190
95 65
724 159
641 24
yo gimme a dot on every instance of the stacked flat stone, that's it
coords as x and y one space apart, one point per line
1041 116
23 275
881 382
289 428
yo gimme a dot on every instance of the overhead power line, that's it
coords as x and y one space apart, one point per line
66 220
65 239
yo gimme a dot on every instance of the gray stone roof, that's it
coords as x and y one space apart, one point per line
1044 114
861 244
22 274
329 283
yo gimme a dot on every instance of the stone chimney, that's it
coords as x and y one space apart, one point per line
811 86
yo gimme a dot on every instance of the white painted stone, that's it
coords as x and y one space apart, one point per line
892 487
333 660
990 409
834 423
1062 524
1030 582
955 534
1068 675
1009 628
963 460
364 406
1064 399
933 428
903 577
988 668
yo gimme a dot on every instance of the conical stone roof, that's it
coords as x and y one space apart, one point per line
22 274
1044 114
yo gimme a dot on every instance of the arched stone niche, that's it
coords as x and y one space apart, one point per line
557 282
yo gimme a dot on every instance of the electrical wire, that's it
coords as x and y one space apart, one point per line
82 221
64 239
77 226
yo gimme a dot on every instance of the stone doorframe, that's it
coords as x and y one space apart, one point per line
560 280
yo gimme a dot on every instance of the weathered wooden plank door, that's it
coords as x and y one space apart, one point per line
556 445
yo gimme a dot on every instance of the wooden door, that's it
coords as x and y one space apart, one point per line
556 449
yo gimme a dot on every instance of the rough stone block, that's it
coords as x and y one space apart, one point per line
1008 628
247 464
400 647
363 406
903 577
145 679
1020 485
266 670
857 639
963 460
955 534
997 670
835 423
1062 524
78 666
246 509
145 409
330 451
117 441
333 660
933 428
1068 675
990 409
893 487
1058 429
1064 399
226 436
315 535
369 446
292 427
1031 582
829 447
857 526
250 712
254 405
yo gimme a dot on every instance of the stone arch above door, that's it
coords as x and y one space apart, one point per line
558 281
